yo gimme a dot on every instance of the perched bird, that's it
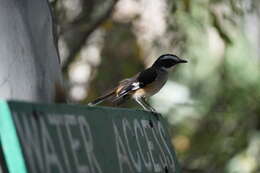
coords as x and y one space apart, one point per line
144 84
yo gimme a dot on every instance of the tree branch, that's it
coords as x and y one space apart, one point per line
82 39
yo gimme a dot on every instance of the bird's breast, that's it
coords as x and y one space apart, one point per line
153 87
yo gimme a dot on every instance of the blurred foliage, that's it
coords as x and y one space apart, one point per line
219 130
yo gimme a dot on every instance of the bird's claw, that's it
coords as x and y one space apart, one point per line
156 115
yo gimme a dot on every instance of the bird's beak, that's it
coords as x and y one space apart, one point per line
183 61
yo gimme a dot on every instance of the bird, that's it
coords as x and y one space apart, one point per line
144 84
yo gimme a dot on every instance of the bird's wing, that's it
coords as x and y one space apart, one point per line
139 81
107 96
115 94
125 86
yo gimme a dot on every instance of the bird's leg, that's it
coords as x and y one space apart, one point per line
153 111
140 102
147 106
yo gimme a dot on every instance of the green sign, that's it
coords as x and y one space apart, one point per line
81 139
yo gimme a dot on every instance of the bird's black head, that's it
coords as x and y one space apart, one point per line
167 61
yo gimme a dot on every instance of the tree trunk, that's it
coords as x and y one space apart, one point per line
29 62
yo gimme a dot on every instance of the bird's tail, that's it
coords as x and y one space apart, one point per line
100 99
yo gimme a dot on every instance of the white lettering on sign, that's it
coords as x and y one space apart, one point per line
169 157
71 124
121 151
136 161
147 146
88 143
137 127
162 157
151 147
62 143
51 157
30 138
